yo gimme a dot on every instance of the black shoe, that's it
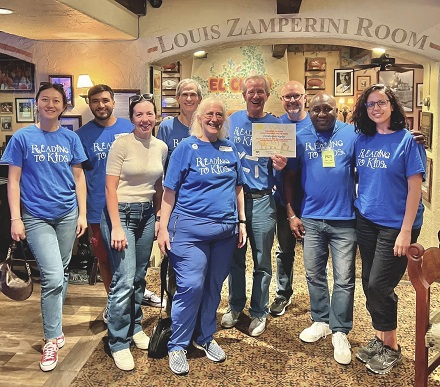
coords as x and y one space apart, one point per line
366 352
385 360
279 305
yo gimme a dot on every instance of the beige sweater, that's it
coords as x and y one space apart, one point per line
139 164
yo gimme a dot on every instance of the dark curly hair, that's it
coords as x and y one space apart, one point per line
363 124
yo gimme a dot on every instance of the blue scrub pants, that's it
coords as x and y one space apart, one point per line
201 254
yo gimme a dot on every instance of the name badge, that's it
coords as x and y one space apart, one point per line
328 159
224 148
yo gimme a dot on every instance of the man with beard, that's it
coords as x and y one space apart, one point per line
325 156
97 137
259 207
293 98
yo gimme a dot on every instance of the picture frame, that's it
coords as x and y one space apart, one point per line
343 82
419 95
122 101
25 109
72 122
410 123
308 98
362 82
315 82
67 82
171 68
427 184
6 107
6 123
315 64
402 84
425 126
156 86
19 75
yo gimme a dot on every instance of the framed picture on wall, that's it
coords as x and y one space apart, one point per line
410 123
66 81
73 122
362 82
425 125
156 86
315 82
24 109
427 184
6 107
402 84
6 123
315 64
344 79
419 94
17 75
122 101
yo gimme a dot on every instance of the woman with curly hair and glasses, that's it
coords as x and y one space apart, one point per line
129 224
389 214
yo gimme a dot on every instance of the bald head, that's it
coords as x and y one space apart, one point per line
293 98
323 111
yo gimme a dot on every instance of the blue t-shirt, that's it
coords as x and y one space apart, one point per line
279 176
97 141
171 132
384 162
329 192
258 170
204 176
47 185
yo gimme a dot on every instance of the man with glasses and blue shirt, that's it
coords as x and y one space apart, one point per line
293 98
325 156
259 207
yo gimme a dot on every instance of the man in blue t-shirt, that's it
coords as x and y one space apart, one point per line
293 98
97 137
325 155
259 206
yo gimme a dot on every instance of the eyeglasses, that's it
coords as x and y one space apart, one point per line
288 98
210 115
138 98
381 103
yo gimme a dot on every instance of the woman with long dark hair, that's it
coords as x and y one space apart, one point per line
389 214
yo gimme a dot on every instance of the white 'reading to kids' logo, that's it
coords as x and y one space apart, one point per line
372 159
215 166
51 153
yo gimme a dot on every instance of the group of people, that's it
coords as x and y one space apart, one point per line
200 191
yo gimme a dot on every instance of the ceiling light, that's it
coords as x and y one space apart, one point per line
201 54
5 11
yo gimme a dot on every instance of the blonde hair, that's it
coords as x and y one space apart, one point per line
196 127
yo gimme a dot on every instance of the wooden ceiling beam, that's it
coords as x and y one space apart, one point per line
278 50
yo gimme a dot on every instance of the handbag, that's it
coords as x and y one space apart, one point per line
11 285
158 345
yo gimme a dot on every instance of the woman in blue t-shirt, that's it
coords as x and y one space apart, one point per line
202 204
47 200
390 165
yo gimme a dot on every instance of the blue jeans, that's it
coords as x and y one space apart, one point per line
381 271
340 235
285 254
51 243
201 254
260 225
129 270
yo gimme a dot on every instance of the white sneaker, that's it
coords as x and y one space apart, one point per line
123 359
257 326
141 340
152 299
230 318
342 352
105 315
315 332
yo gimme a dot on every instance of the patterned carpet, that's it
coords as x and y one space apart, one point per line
276 358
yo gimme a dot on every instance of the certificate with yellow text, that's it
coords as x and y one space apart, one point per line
273 139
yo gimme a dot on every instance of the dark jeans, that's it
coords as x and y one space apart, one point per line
381 270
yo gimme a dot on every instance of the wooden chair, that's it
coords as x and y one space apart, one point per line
423 270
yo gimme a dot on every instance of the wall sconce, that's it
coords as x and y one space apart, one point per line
345 109
84 82
200 54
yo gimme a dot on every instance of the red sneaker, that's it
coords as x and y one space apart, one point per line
49 359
